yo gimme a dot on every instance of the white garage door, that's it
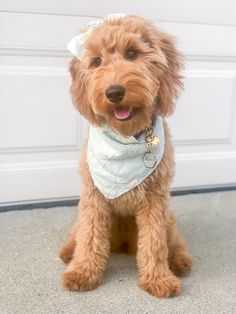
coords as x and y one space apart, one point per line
41 134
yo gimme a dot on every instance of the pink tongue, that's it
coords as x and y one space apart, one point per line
122 114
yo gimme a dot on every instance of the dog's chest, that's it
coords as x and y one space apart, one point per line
135 199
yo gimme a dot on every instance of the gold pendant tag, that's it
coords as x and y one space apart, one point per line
149 160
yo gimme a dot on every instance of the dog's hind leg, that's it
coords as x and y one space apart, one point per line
67 249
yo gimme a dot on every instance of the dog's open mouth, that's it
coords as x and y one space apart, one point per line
121 113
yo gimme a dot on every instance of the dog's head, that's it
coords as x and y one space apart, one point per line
129 72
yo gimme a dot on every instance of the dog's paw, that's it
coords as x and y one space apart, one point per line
180 264
67 251
77 280
165 287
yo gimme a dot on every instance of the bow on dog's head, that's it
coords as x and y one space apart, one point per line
76 45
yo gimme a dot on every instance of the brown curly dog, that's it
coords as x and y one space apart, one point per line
128 76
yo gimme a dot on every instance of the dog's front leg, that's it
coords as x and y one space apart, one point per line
86 268
155 276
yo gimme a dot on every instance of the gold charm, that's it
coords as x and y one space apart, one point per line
152 141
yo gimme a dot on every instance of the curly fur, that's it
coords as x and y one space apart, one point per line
139 220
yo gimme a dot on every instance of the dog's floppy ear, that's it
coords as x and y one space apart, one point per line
170 79
79 90
73 67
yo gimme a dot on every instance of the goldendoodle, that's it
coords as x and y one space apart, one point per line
125 81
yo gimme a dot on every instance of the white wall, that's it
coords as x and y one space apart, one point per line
40 132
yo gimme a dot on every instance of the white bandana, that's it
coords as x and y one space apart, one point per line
118 164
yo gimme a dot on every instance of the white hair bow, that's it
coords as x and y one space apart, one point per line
76 45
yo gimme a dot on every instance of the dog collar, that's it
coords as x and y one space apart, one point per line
76 45
118 164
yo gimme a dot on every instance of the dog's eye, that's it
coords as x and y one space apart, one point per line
131 54
96 62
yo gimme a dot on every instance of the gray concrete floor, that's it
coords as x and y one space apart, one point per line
30 269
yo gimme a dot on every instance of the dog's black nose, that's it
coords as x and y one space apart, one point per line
115 93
